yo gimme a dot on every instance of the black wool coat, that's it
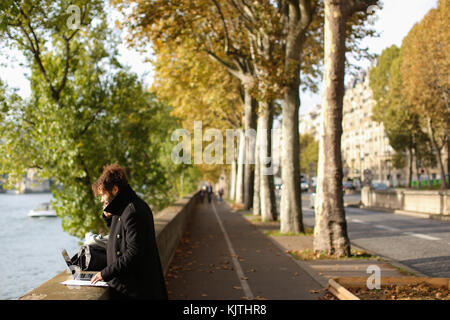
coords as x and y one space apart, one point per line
133 263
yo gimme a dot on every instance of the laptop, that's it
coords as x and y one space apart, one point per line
75 270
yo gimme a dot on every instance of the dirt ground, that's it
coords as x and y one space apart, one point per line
421 291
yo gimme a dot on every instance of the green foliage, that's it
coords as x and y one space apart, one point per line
424 71
399 160
85 111
381 75
400 121
309 153
408 85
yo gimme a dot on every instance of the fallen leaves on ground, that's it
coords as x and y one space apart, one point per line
421 291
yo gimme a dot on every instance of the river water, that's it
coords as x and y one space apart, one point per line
29 247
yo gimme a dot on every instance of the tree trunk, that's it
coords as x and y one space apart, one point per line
182 183
268 203
330 230
225 184
257 181
291 207
410 169
428 175
240 169
438 153
233 180
249 125
291 219
448 160
419 184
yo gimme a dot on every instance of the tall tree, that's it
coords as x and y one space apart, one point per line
330 230
199 90
400 122
425 69
85 111
297 16
216 28
228 32
303 49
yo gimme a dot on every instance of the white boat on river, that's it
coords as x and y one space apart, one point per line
44 209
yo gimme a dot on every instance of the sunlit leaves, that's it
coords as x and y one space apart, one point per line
85 111
426 66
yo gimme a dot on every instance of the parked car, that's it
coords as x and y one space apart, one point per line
348 185
379 186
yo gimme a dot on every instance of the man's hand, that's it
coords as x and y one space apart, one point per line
107 214
97 278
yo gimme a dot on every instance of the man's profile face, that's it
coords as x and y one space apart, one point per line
106 197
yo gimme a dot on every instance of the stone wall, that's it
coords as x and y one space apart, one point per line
436 202
170 225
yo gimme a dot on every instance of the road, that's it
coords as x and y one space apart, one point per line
421 244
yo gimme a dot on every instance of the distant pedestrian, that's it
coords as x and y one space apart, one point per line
220 194
209 190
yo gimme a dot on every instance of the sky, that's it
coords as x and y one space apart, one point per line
393 23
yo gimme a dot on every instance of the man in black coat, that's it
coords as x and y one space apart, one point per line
133 268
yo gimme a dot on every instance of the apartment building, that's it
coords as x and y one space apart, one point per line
364 143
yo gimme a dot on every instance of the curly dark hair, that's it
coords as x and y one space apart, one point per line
113 175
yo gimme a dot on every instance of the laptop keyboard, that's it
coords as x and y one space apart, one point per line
85 276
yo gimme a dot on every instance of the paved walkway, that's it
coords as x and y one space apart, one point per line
323 270
223 256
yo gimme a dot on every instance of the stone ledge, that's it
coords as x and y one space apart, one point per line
170 224
54 290
433 216
426 202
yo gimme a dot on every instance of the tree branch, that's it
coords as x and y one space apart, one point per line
35 49
222 17
237 73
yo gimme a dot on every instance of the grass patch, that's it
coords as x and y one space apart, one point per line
309 254
404 272
308 232
252 217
